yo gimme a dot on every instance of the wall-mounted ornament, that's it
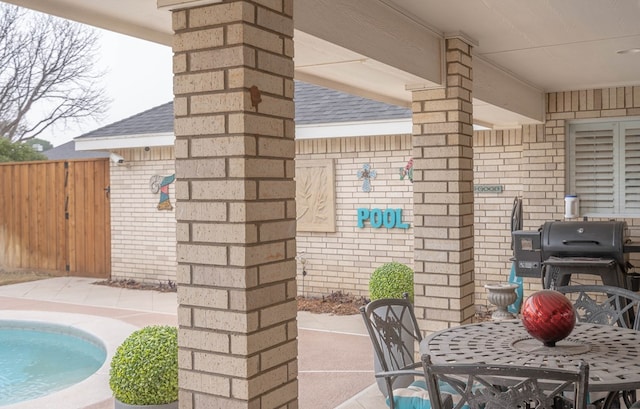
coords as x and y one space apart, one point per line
407 171
256 97
315 195
487 188
389 218
160 184
366 174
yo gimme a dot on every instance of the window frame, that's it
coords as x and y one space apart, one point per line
618 184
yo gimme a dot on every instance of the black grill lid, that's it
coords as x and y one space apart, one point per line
603 239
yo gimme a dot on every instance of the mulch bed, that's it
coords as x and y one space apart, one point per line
336 303
168 287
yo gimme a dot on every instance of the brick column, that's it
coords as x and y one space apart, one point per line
443 195
235 206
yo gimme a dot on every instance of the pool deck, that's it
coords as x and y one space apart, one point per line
335 355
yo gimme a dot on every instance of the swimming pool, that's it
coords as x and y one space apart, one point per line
37 359
109 333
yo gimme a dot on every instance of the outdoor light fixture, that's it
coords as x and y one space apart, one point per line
116 159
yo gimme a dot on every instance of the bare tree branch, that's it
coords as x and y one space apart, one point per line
47 73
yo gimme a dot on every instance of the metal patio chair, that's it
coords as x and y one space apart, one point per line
394 333
606 305
487 386
603 304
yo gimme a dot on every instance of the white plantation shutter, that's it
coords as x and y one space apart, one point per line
631 132
592 167
604 167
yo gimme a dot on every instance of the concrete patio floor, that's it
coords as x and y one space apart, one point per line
335 354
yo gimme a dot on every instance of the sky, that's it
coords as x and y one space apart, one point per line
138 77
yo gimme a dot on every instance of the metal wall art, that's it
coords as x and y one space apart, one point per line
160 184
407 171
366 174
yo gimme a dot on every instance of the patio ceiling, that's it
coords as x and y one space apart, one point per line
382 49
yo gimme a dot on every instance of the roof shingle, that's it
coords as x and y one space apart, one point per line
314 105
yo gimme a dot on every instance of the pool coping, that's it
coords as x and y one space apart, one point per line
93 389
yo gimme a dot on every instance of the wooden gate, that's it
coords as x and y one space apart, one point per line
55 216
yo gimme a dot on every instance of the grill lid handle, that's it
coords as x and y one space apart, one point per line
567 242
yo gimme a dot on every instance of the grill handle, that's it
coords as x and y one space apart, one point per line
568 242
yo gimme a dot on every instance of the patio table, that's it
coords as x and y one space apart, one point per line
613 353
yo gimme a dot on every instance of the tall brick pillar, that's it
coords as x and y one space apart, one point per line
443 195
235 204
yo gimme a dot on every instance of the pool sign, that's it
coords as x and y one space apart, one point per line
389 218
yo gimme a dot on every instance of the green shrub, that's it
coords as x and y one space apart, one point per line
391 280
144 369
18 152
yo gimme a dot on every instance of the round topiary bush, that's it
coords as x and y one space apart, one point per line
391 280
144 369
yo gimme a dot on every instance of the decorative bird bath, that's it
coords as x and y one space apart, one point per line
501 295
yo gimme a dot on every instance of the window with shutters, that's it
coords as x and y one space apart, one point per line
604 167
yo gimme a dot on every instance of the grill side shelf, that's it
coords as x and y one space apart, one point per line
579 261
631 248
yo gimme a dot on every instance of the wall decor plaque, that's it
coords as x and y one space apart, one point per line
315 195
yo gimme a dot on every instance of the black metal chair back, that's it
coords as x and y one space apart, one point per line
487 386
606 305
394 333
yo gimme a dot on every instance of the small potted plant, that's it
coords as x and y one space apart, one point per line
144 369
391 280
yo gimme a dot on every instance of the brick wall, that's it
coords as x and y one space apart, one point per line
143 244
527 162
562 107
531 162
497 161
344 260
143 238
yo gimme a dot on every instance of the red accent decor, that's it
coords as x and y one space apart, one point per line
548 316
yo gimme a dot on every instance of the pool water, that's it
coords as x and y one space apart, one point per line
37 361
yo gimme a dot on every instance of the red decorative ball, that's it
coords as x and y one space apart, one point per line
548 316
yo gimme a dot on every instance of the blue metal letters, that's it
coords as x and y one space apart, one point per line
389 218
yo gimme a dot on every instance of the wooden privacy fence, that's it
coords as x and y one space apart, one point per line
55 216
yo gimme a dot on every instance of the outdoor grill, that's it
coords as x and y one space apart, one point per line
562 248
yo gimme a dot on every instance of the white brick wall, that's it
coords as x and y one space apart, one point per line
531 162
497 161
143 241
344 260
527 162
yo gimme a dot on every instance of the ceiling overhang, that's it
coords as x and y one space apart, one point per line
376 51
370 49
137 18
374 30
